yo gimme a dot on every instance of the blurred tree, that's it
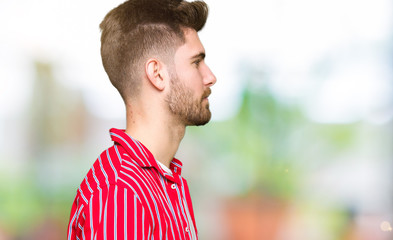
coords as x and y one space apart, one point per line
261 154
269 143
56 122
57 114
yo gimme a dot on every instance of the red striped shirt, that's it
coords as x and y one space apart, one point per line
127 195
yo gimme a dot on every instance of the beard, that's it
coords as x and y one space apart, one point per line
189 110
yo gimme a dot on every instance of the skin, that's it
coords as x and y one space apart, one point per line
157 116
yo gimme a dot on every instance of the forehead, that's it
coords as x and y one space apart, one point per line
192 45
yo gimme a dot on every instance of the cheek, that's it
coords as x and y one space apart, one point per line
191 77
196 83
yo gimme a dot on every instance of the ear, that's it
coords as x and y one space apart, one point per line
155 72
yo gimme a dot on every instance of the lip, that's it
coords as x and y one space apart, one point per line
207 93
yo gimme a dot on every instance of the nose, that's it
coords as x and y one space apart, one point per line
209 78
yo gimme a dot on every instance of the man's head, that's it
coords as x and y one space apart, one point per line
140 30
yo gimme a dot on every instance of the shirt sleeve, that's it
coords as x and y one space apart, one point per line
73 229
123 216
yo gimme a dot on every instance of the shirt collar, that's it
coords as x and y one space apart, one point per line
142 155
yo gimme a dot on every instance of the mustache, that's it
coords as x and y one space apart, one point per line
206 93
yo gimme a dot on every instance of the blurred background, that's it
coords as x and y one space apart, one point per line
299 147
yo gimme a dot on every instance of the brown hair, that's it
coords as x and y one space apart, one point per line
138 29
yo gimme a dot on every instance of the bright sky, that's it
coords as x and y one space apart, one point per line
330 56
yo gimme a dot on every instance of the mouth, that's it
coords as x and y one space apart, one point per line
206 94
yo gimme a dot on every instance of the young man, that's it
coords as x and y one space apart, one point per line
152 54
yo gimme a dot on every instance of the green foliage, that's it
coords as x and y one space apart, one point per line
266 145
24 204
19 203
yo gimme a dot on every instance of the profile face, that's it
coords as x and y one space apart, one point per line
190 82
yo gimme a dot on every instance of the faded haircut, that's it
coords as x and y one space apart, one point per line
139 29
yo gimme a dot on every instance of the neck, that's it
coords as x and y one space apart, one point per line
160 134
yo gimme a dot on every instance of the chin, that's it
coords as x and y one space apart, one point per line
199 120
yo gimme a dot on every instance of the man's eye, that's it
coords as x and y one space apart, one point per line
197 62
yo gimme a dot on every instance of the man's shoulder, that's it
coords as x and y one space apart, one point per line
104 171
115 164
133 174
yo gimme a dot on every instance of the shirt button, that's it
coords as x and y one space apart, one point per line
173 186
187 229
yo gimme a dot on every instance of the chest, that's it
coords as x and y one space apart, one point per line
168 206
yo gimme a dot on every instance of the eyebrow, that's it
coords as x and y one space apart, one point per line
200 55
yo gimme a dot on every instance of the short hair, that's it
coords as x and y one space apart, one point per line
139 29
